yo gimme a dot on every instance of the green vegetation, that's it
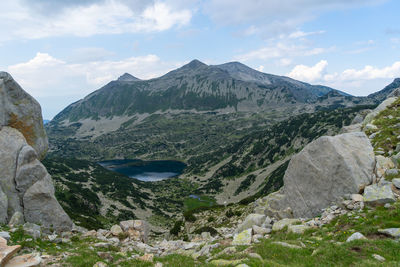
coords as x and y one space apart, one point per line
177 228
388 129
323 246
245 184
83 198
250 142
208 229
262 147
191 203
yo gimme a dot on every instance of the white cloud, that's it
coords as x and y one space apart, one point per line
370 73
46 76
281 50
301 34
260 68
104 17
317 73
309 74
354 81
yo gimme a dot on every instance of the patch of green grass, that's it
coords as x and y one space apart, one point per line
387 122
193 203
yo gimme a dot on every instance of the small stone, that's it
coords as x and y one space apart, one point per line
158 264
396 182
206 236
251 219
256 238
284 244
255 256
102 245
378 257
91 233
372 136
242 265
357 198
355 236
5 235
221 262
387 205
147 257
27 260
392 172
298 229
114 240
279 225
105 256
378 195
116 230
243 238
33 230
7 252
52 237
16 219
100 264
260 230
393 232
370 126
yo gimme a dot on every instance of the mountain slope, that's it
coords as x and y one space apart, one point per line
195 86
382 94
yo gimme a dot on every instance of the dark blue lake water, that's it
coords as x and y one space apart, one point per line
148 171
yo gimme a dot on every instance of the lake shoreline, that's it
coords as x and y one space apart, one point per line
147 171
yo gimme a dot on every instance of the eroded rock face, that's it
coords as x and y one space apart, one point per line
326 170
21 111
26 185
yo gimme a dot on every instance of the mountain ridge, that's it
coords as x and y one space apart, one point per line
195 86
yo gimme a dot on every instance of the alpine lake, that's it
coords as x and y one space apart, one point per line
147 171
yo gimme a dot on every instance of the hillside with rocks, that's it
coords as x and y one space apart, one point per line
233 153
339 205
131 118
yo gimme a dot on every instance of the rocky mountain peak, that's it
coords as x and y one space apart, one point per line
126 77
194 64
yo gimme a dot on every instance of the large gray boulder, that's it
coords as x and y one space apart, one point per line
324 172
26 188
21 111
26 185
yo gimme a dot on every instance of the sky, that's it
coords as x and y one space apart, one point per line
61 50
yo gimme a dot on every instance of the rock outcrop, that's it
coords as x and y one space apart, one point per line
324 172
26 187
21 111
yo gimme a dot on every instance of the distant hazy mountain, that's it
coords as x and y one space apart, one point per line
195 86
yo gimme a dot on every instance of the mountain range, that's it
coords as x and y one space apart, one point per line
196 86
234 127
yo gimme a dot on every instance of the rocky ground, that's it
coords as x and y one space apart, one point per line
354 233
